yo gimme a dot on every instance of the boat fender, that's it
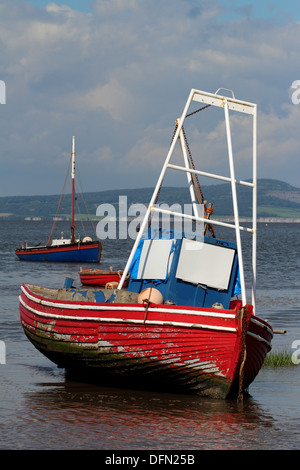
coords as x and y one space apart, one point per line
151 295
111 285
218 305
87 239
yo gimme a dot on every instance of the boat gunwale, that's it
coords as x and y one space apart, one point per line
172 324
67 247
56 303
85 305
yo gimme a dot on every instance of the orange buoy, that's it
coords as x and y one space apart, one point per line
151 295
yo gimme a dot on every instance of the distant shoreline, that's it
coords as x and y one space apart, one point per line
276 202
265 220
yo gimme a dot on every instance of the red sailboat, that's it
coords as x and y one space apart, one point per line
184 323
100 277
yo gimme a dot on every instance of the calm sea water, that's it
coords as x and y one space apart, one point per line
40 408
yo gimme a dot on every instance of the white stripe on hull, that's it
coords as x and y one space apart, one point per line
112 307
124 320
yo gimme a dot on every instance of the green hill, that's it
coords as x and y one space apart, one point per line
275 199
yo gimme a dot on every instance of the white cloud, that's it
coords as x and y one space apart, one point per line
112 7
278 146
119 77
111 96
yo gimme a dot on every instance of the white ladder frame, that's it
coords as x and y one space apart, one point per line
227 103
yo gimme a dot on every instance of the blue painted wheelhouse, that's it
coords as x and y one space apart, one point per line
178 268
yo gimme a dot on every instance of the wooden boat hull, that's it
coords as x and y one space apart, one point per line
98 277
89 252
183 349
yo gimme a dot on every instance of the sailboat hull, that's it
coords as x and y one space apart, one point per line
89 252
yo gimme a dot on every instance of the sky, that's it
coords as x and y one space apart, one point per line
116 74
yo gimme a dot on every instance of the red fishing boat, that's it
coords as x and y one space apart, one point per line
100 277
183 323
184 349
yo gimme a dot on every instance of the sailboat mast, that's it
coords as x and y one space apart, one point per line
73 192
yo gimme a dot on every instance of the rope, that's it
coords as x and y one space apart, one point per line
194 177
174 132
244 312
60 200
208 210
198 110
83 200
146 303
79 213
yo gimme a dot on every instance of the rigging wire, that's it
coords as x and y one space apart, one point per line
60 201
83 199
195 180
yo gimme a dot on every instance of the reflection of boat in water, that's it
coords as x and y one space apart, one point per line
64 249
179 323
100 277
200 422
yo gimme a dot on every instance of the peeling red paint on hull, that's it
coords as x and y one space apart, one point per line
184 348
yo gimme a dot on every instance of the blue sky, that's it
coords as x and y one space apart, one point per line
261 9
233 9
116 74
80 5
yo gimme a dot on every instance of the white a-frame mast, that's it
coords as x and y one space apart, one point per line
228 104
